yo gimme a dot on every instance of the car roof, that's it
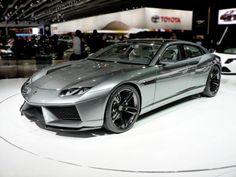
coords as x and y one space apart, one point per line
150 40
160 41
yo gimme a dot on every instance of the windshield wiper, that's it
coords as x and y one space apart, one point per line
112 61
126 62
101 60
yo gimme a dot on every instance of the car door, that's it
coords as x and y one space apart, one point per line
172 73
197 72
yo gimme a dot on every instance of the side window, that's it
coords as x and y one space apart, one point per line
171 54
192 51
142 51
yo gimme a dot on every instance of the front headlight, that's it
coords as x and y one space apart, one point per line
28 81
74 91
25 88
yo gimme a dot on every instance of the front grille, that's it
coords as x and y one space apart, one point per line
65 113
225 69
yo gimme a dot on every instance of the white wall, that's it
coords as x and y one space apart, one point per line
135 19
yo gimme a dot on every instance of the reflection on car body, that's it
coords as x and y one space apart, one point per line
115 85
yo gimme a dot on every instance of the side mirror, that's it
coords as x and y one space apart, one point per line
160 64
211 50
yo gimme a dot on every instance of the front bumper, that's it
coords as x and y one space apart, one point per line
229 68
80 116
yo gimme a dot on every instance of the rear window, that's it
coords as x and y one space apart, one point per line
192 51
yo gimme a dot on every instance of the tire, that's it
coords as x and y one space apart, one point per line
122 109
213 82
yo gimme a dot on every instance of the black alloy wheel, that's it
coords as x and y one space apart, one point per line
122 109
213 82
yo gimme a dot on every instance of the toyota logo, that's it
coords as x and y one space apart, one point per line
155 19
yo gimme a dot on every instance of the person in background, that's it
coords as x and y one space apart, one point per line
173 36
95 42
76 46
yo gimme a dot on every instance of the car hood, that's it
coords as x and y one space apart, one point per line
84 73
225 56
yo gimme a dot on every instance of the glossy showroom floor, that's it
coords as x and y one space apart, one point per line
194 137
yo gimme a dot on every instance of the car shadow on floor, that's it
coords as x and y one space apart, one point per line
85 134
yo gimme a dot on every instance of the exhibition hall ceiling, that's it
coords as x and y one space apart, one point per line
53 11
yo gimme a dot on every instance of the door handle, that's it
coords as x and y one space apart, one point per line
185 71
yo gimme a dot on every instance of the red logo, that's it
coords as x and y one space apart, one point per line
168 19
165 19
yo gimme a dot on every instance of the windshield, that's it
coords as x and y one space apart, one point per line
226 50
140 53
230 51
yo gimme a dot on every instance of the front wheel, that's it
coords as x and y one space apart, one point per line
213 82
122 109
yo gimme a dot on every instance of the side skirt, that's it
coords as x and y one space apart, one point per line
171 99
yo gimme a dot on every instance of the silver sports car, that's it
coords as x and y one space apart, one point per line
115 85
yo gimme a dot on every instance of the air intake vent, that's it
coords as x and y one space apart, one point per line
65 113
225 69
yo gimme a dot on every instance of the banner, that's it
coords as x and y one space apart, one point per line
130 21
227 16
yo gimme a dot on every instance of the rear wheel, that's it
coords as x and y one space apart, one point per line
213 82
122 109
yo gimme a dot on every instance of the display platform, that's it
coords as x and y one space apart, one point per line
193 137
